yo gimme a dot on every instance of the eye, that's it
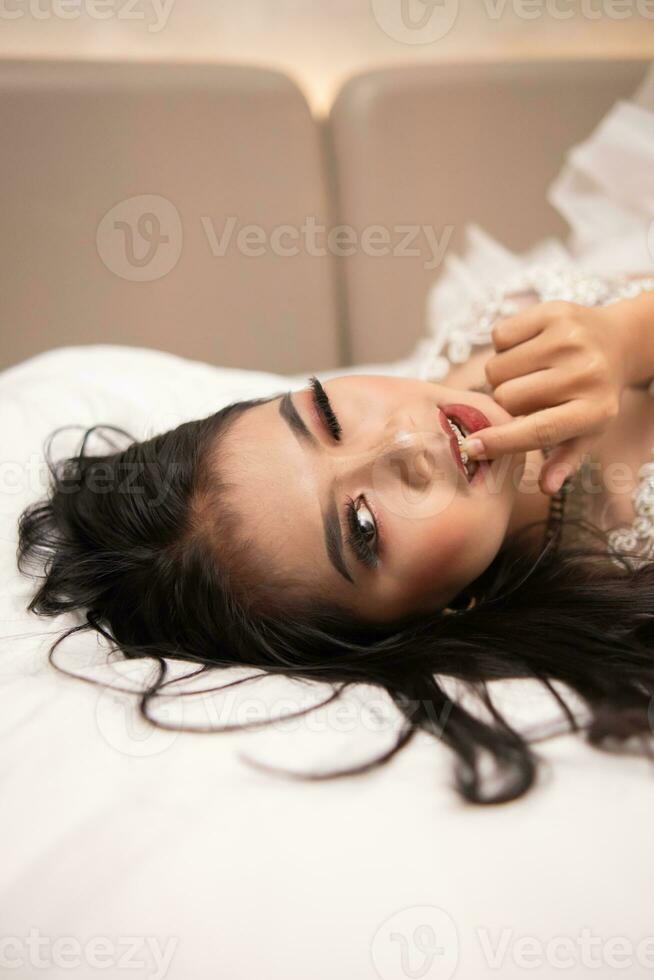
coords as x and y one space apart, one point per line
324 408
362 531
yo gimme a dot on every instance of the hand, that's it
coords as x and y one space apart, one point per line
561 368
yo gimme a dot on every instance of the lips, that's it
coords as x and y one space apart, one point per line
467 417
469 420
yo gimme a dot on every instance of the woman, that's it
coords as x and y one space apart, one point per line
345 533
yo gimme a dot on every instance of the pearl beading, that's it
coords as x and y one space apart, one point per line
639 537
454 338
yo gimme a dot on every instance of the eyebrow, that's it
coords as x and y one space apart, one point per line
290 414
331 523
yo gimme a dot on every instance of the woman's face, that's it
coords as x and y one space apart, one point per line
426 531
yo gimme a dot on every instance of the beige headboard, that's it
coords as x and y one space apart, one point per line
197 146
442 145
118 181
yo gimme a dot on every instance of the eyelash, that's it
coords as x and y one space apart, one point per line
324 408
355 539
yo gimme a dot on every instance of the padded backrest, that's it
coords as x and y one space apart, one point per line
442 145
117 184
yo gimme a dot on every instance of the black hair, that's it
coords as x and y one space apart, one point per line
144 543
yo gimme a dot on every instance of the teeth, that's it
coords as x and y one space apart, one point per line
460 434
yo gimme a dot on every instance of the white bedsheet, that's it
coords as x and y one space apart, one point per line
123 845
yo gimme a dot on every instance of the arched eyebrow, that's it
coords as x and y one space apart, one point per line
295 422
331 523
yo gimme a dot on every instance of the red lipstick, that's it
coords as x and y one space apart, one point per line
469 420
467 417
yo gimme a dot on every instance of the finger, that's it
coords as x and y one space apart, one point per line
532 355
517 329
542 430
536 391
528 323
563 463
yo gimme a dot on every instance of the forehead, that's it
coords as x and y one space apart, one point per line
279 495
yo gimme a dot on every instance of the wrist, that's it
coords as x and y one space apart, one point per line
633 321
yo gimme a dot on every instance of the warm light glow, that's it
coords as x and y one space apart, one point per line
320 43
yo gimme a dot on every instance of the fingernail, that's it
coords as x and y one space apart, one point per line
473 447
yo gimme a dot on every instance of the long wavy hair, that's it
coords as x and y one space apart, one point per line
144 544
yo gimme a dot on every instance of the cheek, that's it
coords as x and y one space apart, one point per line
442 556
436 553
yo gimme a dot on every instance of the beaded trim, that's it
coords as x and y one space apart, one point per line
557 506
639 536
556 511
455 336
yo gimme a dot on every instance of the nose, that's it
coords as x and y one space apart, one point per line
413 454
416 452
